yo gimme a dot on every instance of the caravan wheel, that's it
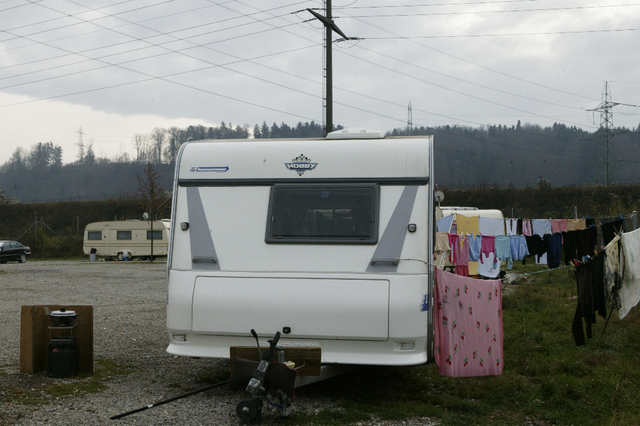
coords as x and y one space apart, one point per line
120 256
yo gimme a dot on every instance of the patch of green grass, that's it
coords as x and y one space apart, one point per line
105 370
547 380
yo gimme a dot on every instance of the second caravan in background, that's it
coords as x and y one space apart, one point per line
112 239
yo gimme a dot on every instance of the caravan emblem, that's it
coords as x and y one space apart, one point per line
209 169
301 164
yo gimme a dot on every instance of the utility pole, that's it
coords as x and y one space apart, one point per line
330 27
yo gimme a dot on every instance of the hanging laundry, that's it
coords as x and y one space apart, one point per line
444 223
503 249
475 245
454 243
558 225
630 289
554 249
487 245
491 226
570 246
519 248
462 261
512 226
535 246
576 224
541 227
612 271
468 225
527 230
610 229
468 326
587 240
589 278
442 242
489 266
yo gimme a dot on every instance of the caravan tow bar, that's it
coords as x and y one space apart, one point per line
155 404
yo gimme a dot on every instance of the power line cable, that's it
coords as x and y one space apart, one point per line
75 24
476 12
118 26
437 4
477 65
153 77
615 30
46 21
137 59
144 39
171 51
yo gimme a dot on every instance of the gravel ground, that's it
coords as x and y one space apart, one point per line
129 330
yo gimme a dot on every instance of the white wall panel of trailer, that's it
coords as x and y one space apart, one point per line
363 299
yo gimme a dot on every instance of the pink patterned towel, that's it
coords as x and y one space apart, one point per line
468 326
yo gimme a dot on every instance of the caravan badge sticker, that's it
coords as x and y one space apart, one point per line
301 164
209 169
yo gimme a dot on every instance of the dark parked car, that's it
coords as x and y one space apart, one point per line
13 250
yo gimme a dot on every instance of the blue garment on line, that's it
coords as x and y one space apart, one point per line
475 243
519 248
444 223
503 249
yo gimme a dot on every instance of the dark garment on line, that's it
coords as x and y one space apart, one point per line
570 246
609 230
554 249
535 246
590 284
597 275
586 242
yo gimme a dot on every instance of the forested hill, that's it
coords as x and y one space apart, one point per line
518 156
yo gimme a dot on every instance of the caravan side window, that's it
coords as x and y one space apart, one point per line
157 235
94 235
323 214
123 235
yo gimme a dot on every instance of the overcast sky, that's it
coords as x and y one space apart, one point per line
118 67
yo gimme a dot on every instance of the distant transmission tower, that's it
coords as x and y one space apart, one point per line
606 161
605 166
80 144
409 120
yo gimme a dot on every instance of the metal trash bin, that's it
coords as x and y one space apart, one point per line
92 255
63 348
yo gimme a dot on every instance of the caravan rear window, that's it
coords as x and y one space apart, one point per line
323 214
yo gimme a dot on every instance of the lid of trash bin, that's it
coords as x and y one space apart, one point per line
63 313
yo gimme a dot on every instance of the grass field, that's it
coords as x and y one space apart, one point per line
547 380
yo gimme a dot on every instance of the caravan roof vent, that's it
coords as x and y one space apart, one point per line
356 134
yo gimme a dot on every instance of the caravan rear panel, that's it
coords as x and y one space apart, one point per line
326 241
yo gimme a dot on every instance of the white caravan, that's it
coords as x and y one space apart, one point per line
326 240
111 239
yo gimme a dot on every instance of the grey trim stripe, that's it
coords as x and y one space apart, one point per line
203 253
390 245
302 181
